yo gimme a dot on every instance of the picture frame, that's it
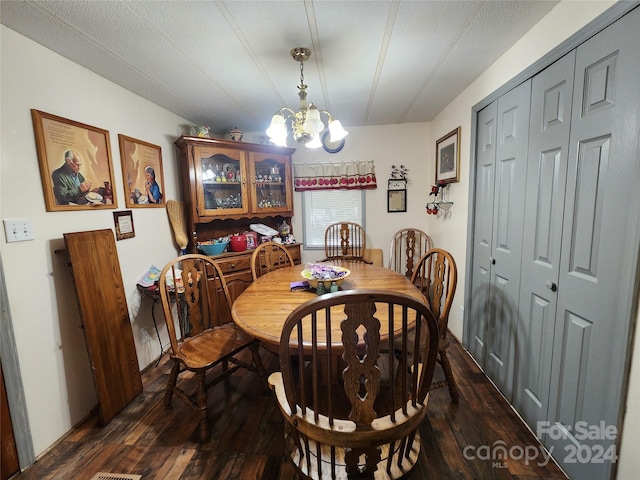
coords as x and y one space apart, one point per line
448 157
396 201
142 173
123 221
75 164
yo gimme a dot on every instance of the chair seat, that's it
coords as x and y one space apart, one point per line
219 343
403 459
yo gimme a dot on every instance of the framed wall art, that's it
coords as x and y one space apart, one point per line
124 224
397 200
75 164
141 173
448 157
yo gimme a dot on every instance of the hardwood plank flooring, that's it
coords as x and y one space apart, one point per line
246 441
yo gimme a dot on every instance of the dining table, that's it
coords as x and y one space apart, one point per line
262 308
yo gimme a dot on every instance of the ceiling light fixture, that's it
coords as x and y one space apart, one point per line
306 125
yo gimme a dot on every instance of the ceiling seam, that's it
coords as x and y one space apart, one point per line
391 20
247 46
317 52
443 57
187 57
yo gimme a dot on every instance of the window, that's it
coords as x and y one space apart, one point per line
321 208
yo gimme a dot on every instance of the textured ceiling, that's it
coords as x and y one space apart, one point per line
226 63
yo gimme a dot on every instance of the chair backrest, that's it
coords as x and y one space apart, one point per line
193 291
436 276
407 246
345 241
348 392
269 256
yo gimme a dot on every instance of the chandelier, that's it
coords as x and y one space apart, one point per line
305 124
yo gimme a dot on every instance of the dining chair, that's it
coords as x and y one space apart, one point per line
269 256
350 412
345 241
189 288
407 246
436 277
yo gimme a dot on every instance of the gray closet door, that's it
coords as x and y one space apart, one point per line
550 122
506 252
599 247
483 230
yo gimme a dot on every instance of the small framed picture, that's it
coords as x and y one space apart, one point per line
124 224
75 164
141 173
448 157
397 200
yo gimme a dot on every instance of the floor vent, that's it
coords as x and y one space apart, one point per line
115 476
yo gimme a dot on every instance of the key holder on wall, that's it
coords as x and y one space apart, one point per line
440 206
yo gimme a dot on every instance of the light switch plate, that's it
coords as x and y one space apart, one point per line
18 229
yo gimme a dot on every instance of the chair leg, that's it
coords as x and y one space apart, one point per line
257 359
448 374
203 412
171 384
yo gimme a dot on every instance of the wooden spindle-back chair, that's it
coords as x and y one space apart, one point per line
191 288
350 411
269 256
436 277
345 241
407 247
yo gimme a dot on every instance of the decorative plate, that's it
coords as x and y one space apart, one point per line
329 146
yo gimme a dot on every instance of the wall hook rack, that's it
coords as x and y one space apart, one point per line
440 206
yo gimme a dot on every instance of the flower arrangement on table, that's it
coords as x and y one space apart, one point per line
324 272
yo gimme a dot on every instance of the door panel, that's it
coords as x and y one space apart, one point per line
551 100
508 205
483 221
598 264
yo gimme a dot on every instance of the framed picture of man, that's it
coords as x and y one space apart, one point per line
448 157
75 164
141 173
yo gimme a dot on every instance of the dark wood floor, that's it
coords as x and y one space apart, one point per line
247 440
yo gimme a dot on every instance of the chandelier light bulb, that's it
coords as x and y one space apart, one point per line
336 131
277 127
315 143
313 124
305 124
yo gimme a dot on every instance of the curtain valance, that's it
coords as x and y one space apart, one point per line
334 175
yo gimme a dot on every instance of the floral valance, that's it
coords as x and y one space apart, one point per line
334 175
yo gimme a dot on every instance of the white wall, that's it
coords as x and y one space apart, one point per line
51 349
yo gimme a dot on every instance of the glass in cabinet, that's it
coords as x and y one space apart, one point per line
220 182
271 183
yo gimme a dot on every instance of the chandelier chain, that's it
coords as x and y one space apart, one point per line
301 73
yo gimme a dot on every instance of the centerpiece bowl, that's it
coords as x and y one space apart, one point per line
321 272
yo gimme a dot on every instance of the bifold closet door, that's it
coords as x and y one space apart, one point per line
500 187
599 258
483 232
550 126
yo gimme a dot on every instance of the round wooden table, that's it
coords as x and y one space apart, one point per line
263 307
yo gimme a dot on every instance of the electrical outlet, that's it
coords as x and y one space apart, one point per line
18 229
145 335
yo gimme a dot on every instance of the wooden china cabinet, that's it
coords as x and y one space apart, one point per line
228 186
